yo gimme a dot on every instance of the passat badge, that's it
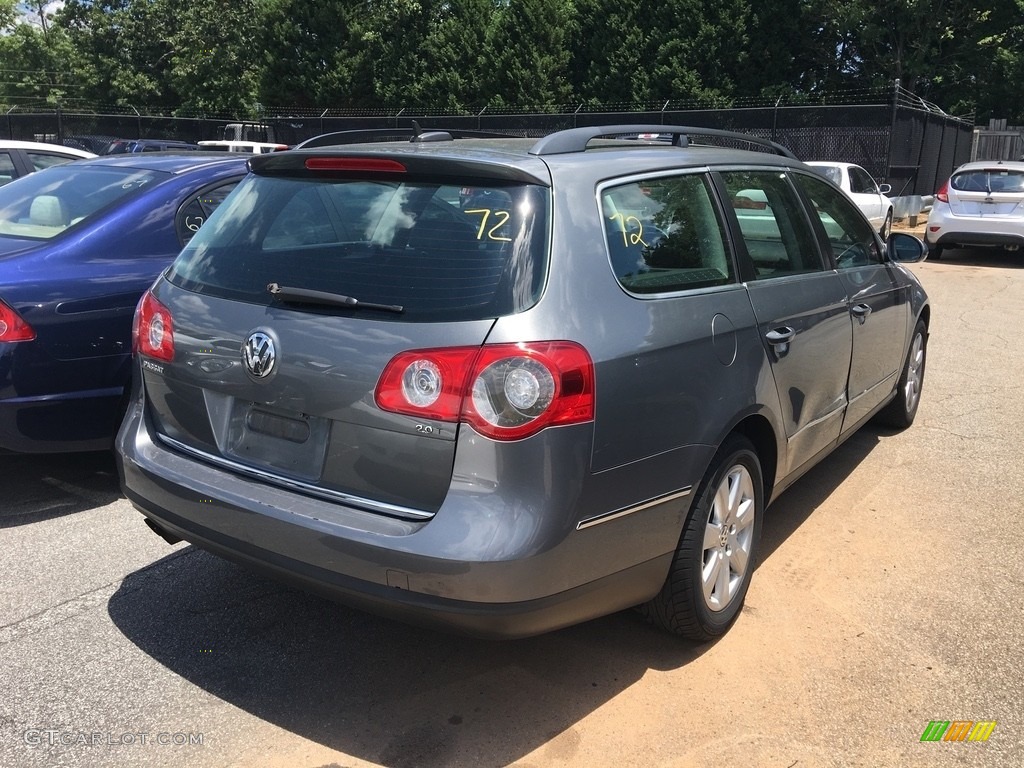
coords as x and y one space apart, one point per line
259 354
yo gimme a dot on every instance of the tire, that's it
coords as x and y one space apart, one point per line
714 561
934 252
900 413
886 226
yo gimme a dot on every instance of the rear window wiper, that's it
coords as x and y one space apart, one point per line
323 298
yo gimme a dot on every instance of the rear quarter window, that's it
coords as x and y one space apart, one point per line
440 251
664 235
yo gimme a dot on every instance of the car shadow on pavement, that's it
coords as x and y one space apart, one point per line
375 689
399 695
45 486
981 257
798 502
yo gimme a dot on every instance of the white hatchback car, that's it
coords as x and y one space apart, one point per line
858 185
981 204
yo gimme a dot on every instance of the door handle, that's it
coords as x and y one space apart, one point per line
782 335
861 312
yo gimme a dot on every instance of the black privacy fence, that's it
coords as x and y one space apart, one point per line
904 142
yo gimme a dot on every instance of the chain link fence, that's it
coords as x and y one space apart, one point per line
901 140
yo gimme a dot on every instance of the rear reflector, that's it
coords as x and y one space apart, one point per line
372 164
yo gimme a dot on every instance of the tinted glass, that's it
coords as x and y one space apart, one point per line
850 236
664 235
441 252
198 208
830 172
49 202
771 221
41 160
990 180
861 182
6 168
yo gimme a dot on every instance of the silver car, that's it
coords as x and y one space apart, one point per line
982 204
506 385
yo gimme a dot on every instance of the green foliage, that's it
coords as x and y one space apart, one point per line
228 56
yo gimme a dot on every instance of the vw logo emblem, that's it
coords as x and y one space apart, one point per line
259 354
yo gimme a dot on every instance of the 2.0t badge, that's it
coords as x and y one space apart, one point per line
259 354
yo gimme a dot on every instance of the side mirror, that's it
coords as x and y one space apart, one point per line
885 189
905 248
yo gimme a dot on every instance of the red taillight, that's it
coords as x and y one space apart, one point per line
506 391
153 329
354 164
943 193
12 327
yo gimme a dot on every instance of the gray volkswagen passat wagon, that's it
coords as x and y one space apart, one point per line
507 385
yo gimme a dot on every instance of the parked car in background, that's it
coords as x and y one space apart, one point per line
247 147
507 385
857 183
982 204
123 146
97 144
78 246
20 158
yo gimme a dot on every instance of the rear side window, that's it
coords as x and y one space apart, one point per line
988 181
198 208
440 251
777 235
42 160
664 235
6 168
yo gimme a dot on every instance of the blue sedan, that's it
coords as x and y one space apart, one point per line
79 244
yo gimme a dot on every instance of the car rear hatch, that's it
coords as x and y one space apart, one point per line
316 272
991 192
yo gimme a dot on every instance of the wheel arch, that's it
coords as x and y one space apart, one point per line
759 431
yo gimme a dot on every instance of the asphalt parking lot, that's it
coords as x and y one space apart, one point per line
888 595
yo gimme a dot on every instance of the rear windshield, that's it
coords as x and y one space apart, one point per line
438 251
44 204
989 180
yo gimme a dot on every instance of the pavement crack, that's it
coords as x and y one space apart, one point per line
72 608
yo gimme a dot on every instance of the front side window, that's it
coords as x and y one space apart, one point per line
439 251
772 224
664 235
47 203
861 182
849 234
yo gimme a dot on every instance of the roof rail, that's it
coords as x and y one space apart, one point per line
577 139
361 135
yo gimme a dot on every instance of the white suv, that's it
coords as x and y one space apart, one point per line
981 204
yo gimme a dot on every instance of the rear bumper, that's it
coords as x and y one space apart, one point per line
951 239
66 422
486 565
949 231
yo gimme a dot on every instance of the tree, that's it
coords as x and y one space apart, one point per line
123 49
528 54
213 65
36 59
311 54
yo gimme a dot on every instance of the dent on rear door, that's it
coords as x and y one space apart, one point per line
801 309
